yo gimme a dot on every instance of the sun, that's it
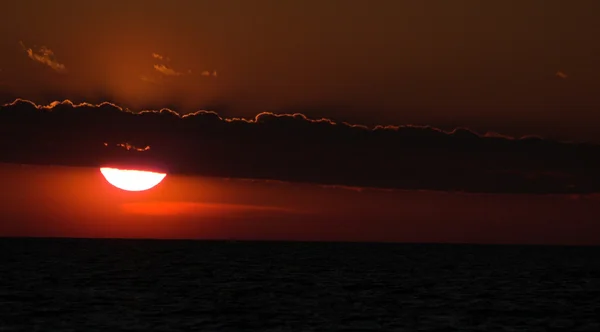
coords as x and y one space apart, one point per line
132 180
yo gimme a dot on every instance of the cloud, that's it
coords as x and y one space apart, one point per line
295 148
160 57
149 79
561 74
128 147
45 56
163 69
166 208
167 71
208 73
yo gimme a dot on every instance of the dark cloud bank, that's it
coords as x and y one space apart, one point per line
292 147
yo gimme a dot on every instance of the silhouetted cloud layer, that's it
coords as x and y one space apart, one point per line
292 147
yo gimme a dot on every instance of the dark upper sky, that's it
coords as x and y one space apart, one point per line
516 67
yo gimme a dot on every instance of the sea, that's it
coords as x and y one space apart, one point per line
179 285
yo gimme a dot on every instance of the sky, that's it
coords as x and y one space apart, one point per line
183 207
515 67
412 121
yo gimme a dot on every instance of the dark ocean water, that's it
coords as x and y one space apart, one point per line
140 285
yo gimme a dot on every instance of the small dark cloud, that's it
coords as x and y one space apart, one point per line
296 148
561 74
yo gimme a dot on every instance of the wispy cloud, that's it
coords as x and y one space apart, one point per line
561 74
160 57
129 147
45 56
202 209
208 73
149 79
168 71
163 69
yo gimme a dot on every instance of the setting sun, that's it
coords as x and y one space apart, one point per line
132 180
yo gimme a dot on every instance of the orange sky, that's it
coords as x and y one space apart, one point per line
516 67
78 202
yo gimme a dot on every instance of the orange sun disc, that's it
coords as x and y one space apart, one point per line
132 180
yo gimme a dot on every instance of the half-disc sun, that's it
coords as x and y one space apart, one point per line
132 180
